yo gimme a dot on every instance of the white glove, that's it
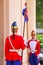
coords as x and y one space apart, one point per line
38 56
20 52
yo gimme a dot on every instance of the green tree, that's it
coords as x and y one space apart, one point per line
39 13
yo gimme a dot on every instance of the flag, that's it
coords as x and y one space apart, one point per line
25 13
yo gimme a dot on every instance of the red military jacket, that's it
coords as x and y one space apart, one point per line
18 43
34 46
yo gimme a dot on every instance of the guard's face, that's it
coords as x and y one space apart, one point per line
33 36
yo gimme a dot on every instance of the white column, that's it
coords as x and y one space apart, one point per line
32 16
6 17
6 23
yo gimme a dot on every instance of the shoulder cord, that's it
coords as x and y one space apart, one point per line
11 43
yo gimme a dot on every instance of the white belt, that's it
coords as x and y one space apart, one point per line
18 51
33 51
13 50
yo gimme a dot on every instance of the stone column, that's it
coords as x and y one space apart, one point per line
6 23
32 16
6 17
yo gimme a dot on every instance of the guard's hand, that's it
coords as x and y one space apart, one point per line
29 50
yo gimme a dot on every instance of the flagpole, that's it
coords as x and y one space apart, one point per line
27 21
23 29
25 14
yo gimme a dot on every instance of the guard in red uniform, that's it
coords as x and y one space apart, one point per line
14 45
34 47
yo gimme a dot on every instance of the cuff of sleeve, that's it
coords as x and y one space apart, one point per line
38 56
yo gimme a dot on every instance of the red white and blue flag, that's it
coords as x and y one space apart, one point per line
25 13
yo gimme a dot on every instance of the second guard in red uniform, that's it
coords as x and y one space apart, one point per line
34 47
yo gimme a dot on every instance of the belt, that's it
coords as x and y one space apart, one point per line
18 51
33 51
